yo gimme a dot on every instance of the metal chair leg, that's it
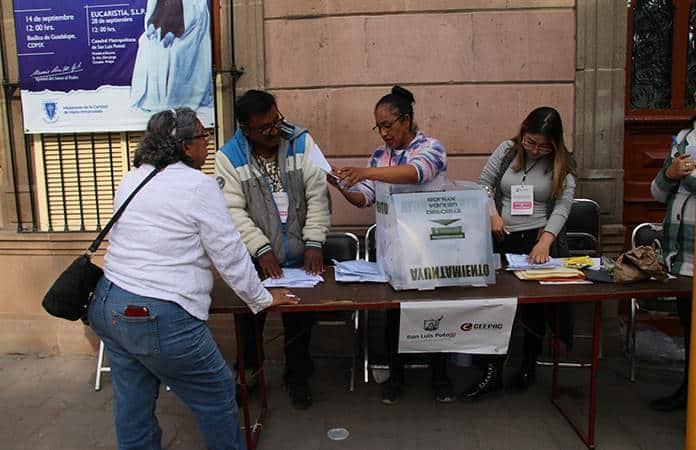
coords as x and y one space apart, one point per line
366 351
632 334
100 366
356 349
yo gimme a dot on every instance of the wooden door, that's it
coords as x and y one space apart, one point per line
660 96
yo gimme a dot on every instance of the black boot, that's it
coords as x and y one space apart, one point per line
491 380
526 375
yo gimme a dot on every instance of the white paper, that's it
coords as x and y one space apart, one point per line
520 262
359 271
293 278
479 326
317 158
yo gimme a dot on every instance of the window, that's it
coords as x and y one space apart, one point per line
662 49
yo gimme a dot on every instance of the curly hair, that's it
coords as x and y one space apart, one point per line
162 143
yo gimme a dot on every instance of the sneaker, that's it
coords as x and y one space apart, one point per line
300 396
391 392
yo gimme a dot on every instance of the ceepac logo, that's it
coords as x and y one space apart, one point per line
468 326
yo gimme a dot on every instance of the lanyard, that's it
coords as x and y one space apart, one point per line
398 161
265 176
526 171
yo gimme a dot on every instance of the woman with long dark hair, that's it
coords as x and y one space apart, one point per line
531 179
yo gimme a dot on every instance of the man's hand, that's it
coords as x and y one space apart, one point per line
313 261
269 266
682 165
283 297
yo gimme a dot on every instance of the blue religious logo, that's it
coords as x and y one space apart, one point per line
432 324
50 111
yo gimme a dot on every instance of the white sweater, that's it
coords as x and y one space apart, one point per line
163 244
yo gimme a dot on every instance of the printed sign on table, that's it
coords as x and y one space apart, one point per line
88 65
479 326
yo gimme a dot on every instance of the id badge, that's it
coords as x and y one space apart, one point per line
522 200
282 203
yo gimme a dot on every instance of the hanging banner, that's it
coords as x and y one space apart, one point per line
96 65
478 326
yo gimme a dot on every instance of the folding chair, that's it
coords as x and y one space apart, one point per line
371 255
645 234
343 247
582 228
583 238
101 368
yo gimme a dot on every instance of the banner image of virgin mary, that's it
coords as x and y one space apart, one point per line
173 67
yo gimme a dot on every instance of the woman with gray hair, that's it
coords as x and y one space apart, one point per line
151 305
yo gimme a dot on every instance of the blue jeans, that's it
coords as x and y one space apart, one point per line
168 346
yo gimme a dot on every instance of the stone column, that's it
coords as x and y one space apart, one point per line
599 111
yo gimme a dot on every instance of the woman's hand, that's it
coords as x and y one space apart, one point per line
283 297
540 252
352 175
682 165
333 180
498 227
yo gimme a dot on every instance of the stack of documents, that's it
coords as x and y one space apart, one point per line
293 278
359 271
520 262
558 274
554 271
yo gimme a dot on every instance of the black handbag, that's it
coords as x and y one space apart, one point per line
69 295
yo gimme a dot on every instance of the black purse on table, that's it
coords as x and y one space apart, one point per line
69 295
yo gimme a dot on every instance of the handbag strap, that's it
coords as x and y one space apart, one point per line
102 234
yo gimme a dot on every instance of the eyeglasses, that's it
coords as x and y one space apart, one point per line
266 129
205 134
387 125
530 145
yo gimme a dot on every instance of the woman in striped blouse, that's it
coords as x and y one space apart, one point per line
407 157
